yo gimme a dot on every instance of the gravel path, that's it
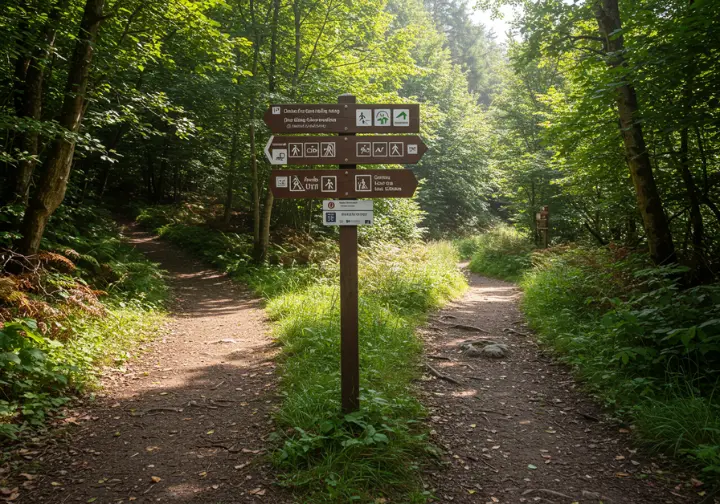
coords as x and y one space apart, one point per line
186 422
518 429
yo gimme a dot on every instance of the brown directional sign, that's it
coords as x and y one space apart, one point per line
332 184
343 118
334 150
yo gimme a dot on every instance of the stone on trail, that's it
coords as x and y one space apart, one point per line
484 348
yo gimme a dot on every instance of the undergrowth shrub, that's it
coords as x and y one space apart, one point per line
501 252
80 304
647 345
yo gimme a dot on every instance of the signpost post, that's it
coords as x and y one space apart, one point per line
349 327
343 185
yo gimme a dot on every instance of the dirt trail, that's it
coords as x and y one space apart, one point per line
193 410
518 429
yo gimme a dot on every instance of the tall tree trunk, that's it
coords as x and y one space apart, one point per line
660 242
693 195
107 166
262 246
298 50
267 217
232 164
273 46
254 179
29 76
52 184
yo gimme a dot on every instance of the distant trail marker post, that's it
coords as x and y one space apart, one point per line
542 221
341 186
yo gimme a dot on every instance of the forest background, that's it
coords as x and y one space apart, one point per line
606 111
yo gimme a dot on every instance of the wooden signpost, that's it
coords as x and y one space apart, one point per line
347 151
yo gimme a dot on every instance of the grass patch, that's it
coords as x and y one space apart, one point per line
501 253
377 451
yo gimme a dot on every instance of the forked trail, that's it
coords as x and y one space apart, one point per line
187 421
518 429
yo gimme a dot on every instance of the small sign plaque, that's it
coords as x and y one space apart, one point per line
347 213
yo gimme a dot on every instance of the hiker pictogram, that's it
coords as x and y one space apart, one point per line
327 149
396 149
363 117
362 183
296 150
296 184
328 183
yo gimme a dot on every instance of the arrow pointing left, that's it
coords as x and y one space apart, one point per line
276 154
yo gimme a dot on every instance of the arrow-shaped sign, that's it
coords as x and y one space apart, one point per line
343 118
341 183
286 150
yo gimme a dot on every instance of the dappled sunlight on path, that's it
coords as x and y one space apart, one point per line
187 422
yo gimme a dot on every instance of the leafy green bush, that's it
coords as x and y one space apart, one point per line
501 252
30 382
646 345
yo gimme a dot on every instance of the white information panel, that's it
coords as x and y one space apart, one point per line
347 213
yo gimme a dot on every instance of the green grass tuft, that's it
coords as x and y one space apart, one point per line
377 451
501 253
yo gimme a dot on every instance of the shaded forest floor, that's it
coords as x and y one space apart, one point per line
187 421
518 429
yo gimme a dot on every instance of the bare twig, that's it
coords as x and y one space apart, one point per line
550 492
464 327
588 416
438 357
157 410
488 464
442 376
